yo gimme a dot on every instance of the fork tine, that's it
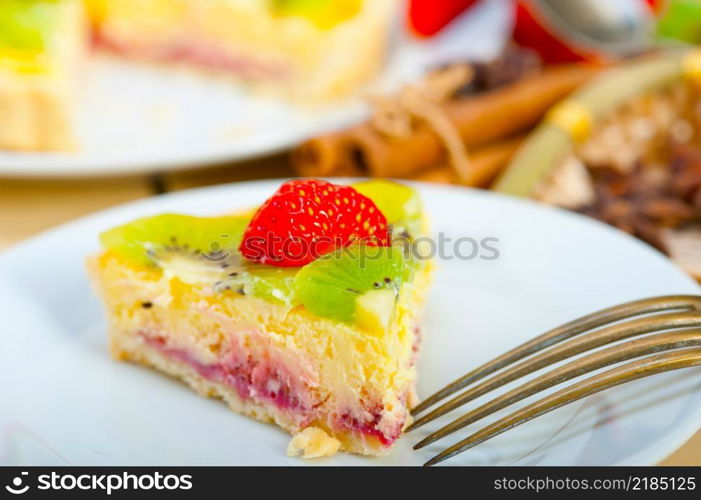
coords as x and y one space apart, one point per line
646 367
616 354
597 338
568 330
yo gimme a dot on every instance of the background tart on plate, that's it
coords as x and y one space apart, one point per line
321 342
306 50
313 49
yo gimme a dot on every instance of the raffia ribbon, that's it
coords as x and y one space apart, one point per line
398 115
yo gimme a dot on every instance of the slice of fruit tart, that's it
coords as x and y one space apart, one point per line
42 47
304 313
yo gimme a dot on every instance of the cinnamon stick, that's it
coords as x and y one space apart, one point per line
362 150
485 163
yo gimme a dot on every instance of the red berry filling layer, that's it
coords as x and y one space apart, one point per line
370 427
198 53
270 383
252 380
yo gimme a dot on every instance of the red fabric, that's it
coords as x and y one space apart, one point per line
530 32
655 5
428 17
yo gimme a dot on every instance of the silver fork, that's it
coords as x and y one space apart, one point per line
678 316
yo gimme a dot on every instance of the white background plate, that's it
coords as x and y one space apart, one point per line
142 118
64 401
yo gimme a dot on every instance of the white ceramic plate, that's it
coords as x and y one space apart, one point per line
141 118
66 402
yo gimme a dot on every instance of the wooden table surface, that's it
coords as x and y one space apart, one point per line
28 207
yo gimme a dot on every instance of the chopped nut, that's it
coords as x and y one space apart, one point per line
313 442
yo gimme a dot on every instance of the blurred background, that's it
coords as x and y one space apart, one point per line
153 107
590 105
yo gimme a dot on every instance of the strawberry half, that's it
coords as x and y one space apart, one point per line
306 219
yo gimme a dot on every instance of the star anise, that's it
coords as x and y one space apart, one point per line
650 198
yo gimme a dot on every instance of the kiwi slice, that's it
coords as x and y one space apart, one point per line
330 286
324 14
201 249
26 24
145 240
399 203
